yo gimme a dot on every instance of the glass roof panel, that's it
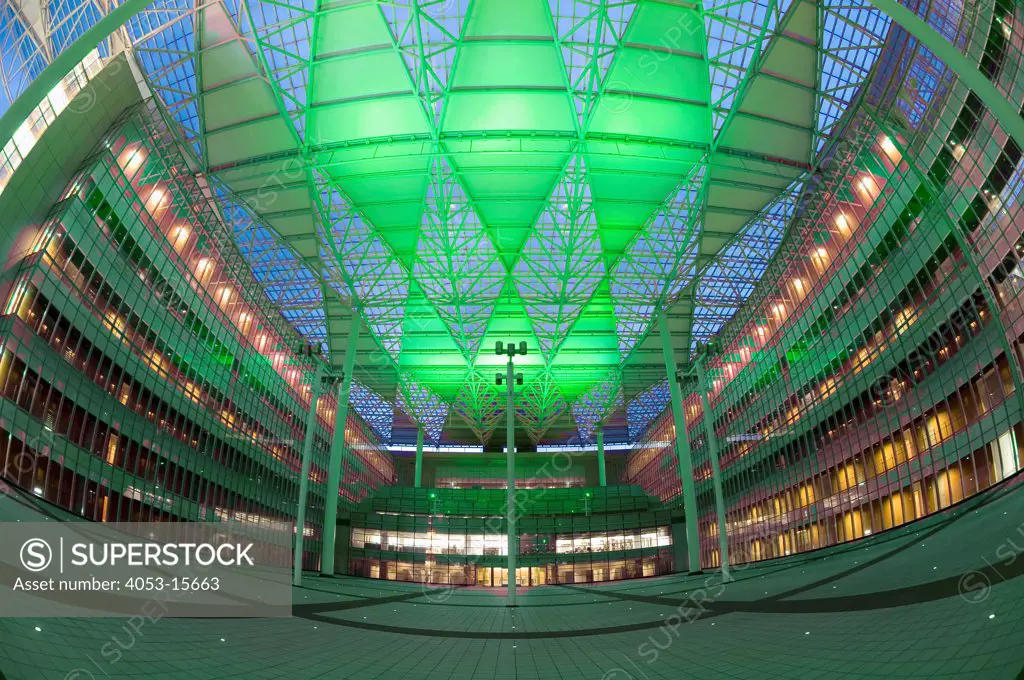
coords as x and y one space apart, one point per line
374 409
548 170
561 265
659 262
424 406
284 31
481 403
736 32
853 35
645 407
457 265
596 405
21 59
726 284
69 19
288 282
164 39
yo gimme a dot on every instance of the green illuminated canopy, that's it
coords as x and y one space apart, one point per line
465 171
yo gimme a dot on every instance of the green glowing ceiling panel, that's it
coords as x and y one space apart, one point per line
465 171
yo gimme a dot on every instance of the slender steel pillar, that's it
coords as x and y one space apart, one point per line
716 470
338 451
307 456
600 457
510 513
682 450
418 481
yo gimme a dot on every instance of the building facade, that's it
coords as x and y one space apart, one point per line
874 377
144 374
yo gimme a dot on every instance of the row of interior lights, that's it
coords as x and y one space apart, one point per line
869 191
867 188
158 201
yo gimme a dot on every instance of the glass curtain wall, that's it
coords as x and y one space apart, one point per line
458 537
144 375
874 376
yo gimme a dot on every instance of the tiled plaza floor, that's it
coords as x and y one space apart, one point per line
940 598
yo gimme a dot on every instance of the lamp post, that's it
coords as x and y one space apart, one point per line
511 379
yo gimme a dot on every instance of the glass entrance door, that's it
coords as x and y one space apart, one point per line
525 576
501 576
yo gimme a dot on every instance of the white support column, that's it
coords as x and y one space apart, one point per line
601 474
307 458
716 470
338 451
418 481
683 455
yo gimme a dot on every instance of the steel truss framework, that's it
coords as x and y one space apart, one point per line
459 172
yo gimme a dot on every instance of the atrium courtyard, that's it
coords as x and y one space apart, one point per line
610 339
